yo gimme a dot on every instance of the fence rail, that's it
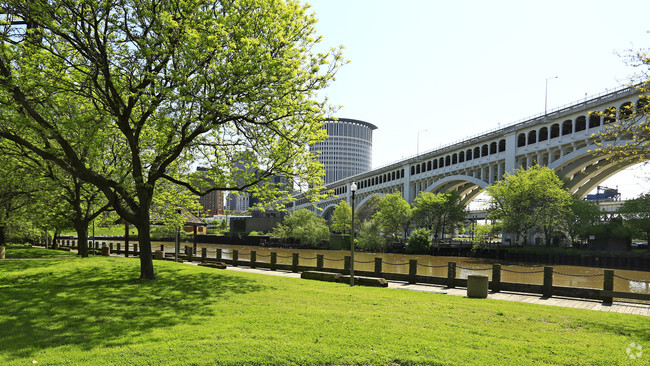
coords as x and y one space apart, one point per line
547 289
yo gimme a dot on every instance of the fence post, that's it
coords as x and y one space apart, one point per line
110 246
119 248
451 274
608 285
219 254
378 265
253 258
319 262
294 262
413 270
496 277
126 250
135 249
204 254
346 265
274 260
547 289
235 257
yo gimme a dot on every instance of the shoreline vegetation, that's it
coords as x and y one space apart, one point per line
93 311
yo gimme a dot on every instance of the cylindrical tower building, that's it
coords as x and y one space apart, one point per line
348 150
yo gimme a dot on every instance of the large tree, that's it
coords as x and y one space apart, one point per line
18 188
65 200
530 199
342 218
394 215
304 226
636 213
164 85
440 213
581 218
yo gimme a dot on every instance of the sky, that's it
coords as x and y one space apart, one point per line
429 73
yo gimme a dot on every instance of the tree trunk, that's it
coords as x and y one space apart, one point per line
82 239
144 240
56 244
3 235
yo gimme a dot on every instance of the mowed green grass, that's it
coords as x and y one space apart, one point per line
14 251
59 311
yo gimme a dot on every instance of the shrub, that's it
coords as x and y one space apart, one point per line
370 238
304 226
419 242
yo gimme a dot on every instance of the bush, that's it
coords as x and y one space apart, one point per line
304 226
370 238
419 242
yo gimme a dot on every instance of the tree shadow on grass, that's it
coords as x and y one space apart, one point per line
96 303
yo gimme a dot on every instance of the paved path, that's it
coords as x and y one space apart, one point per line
618 306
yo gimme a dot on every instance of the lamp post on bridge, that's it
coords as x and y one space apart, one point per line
546 94
353 189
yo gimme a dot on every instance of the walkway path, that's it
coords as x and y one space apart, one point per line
617 307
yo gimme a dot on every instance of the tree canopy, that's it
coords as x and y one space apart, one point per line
533 198
151 89
440 213
342 218
394 215
581 219
636 213
304 226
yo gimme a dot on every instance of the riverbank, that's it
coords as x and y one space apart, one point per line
563 280
636 259
90 311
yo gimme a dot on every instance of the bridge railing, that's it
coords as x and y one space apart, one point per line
592 99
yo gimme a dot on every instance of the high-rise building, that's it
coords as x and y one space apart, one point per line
213 202
348 150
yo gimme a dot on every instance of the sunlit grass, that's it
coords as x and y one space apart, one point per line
92 312
13 251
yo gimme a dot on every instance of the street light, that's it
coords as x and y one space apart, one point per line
353 188
418 144
546 93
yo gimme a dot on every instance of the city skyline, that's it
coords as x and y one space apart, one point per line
430 73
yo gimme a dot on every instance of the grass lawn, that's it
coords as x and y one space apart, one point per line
13 251
91 311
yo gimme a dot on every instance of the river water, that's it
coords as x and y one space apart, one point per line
569 276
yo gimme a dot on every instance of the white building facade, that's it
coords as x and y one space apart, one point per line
348 150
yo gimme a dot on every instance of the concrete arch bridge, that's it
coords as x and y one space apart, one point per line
563 139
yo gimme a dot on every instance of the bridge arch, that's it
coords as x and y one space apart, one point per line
327 212
584 168
367 198
467 187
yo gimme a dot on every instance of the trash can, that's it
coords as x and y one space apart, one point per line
106 251
159 255
477 286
